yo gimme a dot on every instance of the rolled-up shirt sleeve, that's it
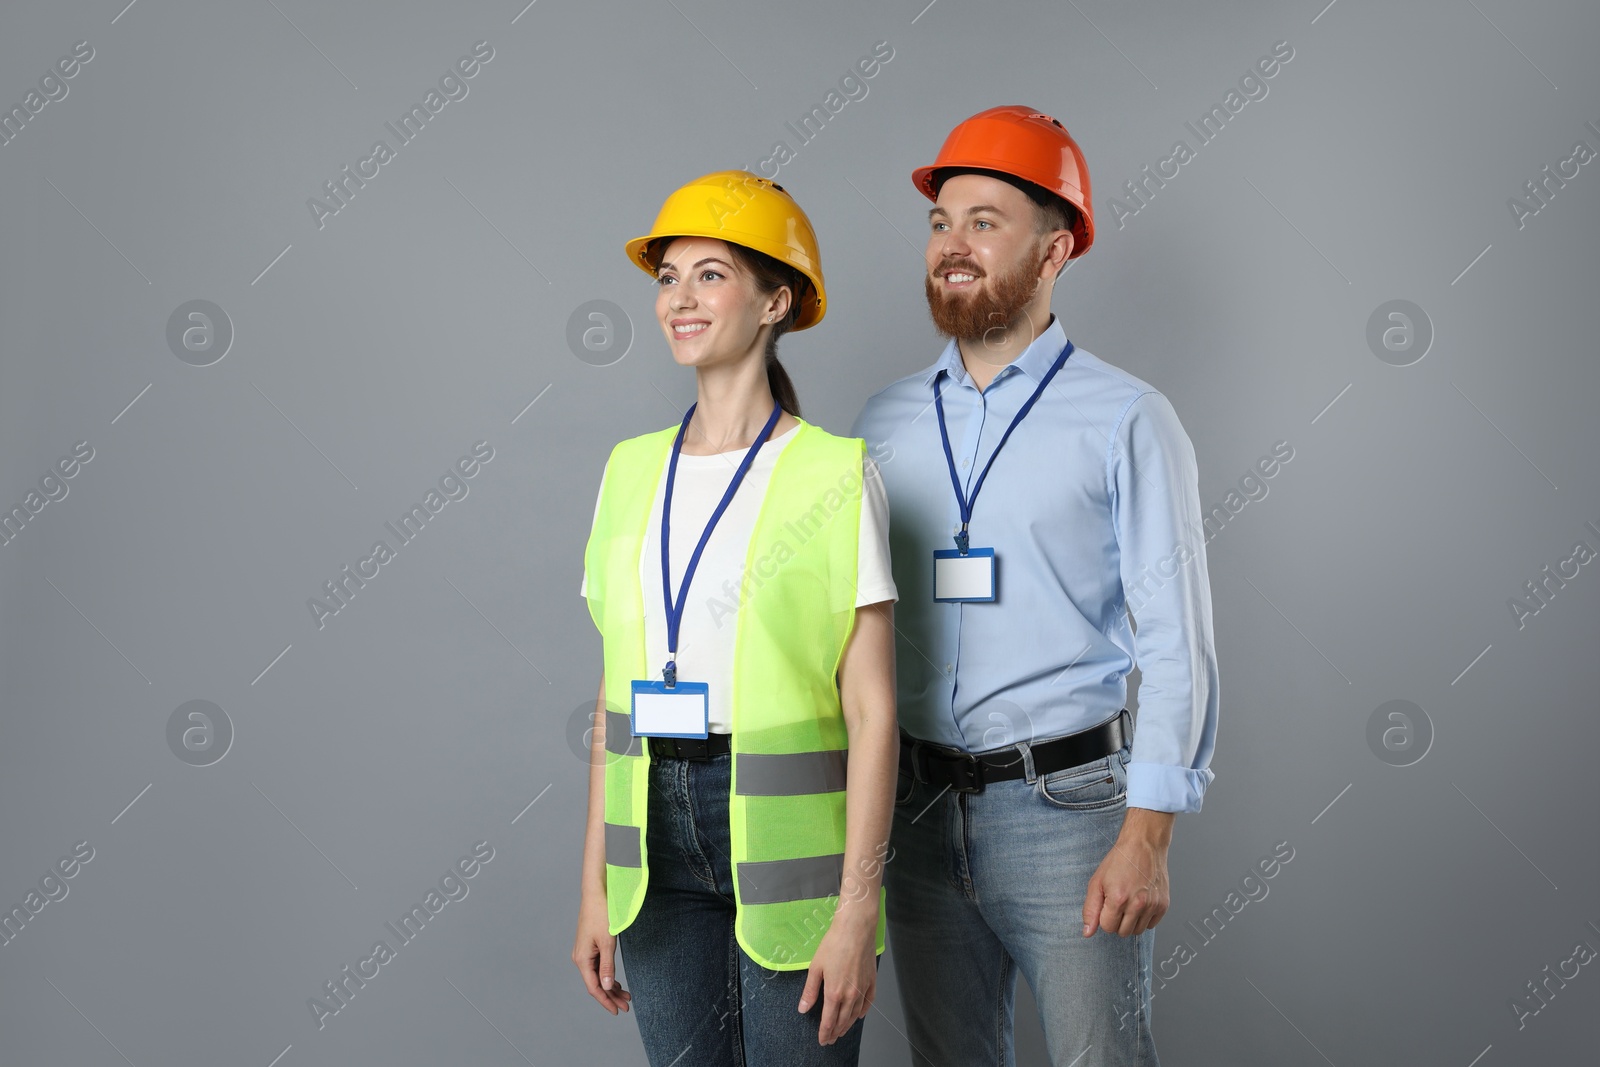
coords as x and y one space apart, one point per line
1155 502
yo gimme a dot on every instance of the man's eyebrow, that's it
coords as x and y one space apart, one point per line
980 209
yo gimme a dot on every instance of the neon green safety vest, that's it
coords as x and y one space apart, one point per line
795 613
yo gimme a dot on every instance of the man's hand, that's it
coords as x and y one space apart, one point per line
1129 892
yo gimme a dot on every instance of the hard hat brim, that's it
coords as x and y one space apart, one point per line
638 250
923 179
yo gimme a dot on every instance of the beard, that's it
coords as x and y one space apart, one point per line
979 312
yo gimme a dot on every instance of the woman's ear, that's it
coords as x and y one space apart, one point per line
778 306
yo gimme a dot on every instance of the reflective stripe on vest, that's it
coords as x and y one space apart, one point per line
776 881
619 735
622 846
791 773
792 617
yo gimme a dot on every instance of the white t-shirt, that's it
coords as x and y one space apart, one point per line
710 611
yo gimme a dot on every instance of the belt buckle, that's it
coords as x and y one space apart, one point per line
973 769
974 775
965 770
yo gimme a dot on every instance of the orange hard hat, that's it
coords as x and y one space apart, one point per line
1025 144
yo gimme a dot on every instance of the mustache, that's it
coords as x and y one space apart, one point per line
959 267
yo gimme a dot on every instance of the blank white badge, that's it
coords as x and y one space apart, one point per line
682 711
958 577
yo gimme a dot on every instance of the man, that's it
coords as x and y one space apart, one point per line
1031 824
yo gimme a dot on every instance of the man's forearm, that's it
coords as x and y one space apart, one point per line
1154 827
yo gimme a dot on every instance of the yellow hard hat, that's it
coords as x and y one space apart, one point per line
743 209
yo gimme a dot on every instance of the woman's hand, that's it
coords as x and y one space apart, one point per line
845 971
594 950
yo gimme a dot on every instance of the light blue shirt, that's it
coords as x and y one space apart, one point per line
1093 511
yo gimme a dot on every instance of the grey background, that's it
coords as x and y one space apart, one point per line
432 311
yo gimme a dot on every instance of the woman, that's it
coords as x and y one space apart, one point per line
733 852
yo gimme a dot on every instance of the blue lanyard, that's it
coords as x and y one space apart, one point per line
966 502
675 610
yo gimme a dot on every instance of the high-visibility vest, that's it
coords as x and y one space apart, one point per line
786 805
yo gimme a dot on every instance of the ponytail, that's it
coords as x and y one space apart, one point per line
771 275
778 379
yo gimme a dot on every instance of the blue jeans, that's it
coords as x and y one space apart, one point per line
982 885
700 1001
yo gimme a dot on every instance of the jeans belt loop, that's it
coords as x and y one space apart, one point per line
918 771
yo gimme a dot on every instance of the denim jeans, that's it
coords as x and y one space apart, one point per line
983 885
699 1000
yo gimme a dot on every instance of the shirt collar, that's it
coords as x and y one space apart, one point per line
1034 361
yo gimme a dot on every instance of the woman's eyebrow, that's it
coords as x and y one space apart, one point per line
709 259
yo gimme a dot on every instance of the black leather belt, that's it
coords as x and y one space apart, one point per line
965 772
690 747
